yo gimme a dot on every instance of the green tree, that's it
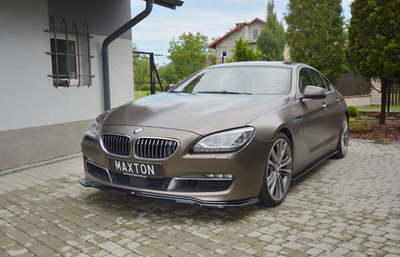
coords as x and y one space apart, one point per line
141 70
346 67
315 35
190 53
242 52
141 73
271 41
374 43
167 74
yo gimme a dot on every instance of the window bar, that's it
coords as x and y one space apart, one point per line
78 54
89 57
67 52
56 52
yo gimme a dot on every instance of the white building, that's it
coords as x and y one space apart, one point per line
248 30
41 118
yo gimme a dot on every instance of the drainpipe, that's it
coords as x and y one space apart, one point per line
111 38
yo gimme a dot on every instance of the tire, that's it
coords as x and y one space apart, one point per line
277 173
343 143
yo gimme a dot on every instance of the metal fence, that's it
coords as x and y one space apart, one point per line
394 97
146 78
365 94
152 72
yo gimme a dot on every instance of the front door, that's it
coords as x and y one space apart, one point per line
314 122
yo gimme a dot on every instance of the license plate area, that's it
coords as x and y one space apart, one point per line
137 169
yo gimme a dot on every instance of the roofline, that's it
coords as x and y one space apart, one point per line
260 64
213 45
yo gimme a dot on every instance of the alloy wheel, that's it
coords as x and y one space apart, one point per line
344 137
279 169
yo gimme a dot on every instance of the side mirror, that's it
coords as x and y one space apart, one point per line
313 92
168 87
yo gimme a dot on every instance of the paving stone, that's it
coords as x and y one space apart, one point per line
273 248
41 250
172 251
236 253
343 207
292 252
314 251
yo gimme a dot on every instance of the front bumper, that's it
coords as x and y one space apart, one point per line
185 178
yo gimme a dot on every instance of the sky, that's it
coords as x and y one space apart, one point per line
212 18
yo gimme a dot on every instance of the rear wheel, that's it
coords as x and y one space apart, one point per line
278 172
343 143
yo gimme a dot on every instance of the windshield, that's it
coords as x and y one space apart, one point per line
238 80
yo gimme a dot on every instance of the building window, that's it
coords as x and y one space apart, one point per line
70 55
256 33
64 62
224 56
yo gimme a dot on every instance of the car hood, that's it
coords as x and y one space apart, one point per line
198 113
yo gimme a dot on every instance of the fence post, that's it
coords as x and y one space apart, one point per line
152 81
388 99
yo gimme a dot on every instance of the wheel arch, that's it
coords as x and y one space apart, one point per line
289 135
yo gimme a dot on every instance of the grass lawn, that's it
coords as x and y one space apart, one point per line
377 108
140 94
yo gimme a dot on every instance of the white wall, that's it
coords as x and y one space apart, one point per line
27 96
38 121
23 68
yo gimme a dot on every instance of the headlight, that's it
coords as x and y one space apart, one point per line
227 141
93 130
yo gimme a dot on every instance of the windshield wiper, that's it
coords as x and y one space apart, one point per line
176 91
223 92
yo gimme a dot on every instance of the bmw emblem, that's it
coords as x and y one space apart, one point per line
137 131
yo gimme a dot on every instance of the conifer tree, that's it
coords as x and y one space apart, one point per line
315 35
374 43
271 41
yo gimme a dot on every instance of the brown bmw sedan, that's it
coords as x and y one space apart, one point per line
227 136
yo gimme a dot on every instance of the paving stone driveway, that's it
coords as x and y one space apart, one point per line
348 207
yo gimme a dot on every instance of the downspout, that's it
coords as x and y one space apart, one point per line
111 38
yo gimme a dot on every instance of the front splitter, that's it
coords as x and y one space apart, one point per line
178 199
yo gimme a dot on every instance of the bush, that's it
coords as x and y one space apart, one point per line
353 112
398 116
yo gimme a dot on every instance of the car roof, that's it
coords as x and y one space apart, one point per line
260 64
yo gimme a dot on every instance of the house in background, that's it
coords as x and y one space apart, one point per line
51 73
249 31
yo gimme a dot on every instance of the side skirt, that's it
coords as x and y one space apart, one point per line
313 165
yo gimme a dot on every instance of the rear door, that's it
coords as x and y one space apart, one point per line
335 107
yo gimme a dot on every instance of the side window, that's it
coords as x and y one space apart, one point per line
304 80
318 80
327 83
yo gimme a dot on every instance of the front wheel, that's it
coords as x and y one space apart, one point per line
277 173
343 143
